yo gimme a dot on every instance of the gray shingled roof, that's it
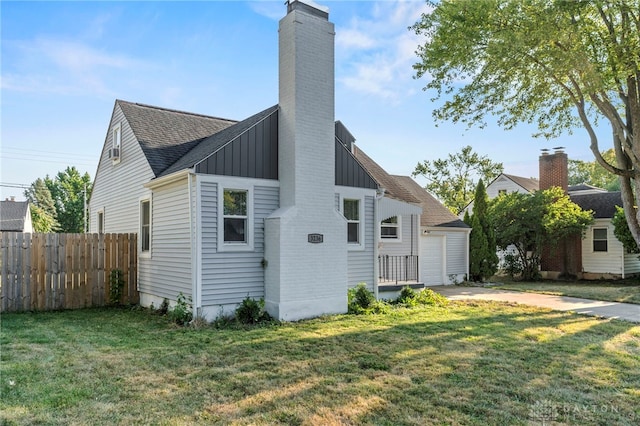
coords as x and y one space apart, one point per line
434 213
166 135
603 204
405 189
529 184
211 144
584 187
391 186
12 215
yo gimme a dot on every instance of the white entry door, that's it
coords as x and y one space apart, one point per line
432 259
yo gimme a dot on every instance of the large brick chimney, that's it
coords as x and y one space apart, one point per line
305 239
563 259
554 170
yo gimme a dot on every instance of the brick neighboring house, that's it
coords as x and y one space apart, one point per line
15 216
599 254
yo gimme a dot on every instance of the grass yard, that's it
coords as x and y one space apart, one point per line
468 363
627 291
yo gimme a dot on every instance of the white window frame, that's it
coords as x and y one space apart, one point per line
116 141
398 226
593 239
100 221
145 253
249 231
352 195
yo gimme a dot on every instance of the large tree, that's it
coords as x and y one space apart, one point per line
556 64
528 223
592 173
43 210
67 190
453 179
483 260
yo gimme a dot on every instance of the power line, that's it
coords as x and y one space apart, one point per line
18 150
60 161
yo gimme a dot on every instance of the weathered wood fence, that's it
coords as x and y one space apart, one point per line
65 271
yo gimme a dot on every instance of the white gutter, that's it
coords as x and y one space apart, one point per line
165 180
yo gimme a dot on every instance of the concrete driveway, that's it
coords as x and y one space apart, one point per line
623 311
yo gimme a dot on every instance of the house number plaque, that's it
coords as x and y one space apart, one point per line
315 238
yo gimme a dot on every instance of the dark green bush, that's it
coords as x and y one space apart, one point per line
252 311
181 313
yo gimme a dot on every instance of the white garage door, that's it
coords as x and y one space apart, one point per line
432 259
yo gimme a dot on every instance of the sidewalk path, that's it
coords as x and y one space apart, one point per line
624 311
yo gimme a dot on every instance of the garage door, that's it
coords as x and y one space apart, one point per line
432 259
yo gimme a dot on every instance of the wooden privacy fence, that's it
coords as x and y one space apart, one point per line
65 271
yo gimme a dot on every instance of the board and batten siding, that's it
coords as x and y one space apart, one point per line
117 188
361 262
609 262
167 272
229 277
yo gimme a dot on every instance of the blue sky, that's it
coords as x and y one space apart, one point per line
64 64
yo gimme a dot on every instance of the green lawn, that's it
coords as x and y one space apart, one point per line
612 291
468 363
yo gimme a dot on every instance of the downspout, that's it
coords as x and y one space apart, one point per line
376 240
194 245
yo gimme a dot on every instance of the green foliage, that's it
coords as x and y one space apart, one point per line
252 311
512 265
116 285
164 307
410 297
362 301
622 232
483 260
555 64
67 192
453 179
181 313
43 211
529 222
592 173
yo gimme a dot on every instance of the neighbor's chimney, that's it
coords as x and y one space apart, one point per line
554 169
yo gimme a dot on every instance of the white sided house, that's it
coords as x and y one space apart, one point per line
276 206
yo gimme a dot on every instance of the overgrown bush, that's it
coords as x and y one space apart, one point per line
362 301
410 297
181 313
512 265
252 311
116 285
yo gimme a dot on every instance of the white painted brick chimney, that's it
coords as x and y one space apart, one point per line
305 279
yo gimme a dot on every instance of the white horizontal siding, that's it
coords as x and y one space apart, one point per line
117 188
361 262
631 264
408 243
169 267
456 253
229 277
609 262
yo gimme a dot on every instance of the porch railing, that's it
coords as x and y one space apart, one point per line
397 268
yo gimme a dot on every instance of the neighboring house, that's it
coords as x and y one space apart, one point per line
276 206
599 253
603 255
504 184
15 216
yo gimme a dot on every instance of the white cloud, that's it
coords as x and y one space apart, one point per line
63 67
380 50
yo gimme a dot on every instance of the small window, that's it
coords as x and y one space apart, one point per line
351 210
145 225
235 216
600 240
117 136
502 192
101 222
389 229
